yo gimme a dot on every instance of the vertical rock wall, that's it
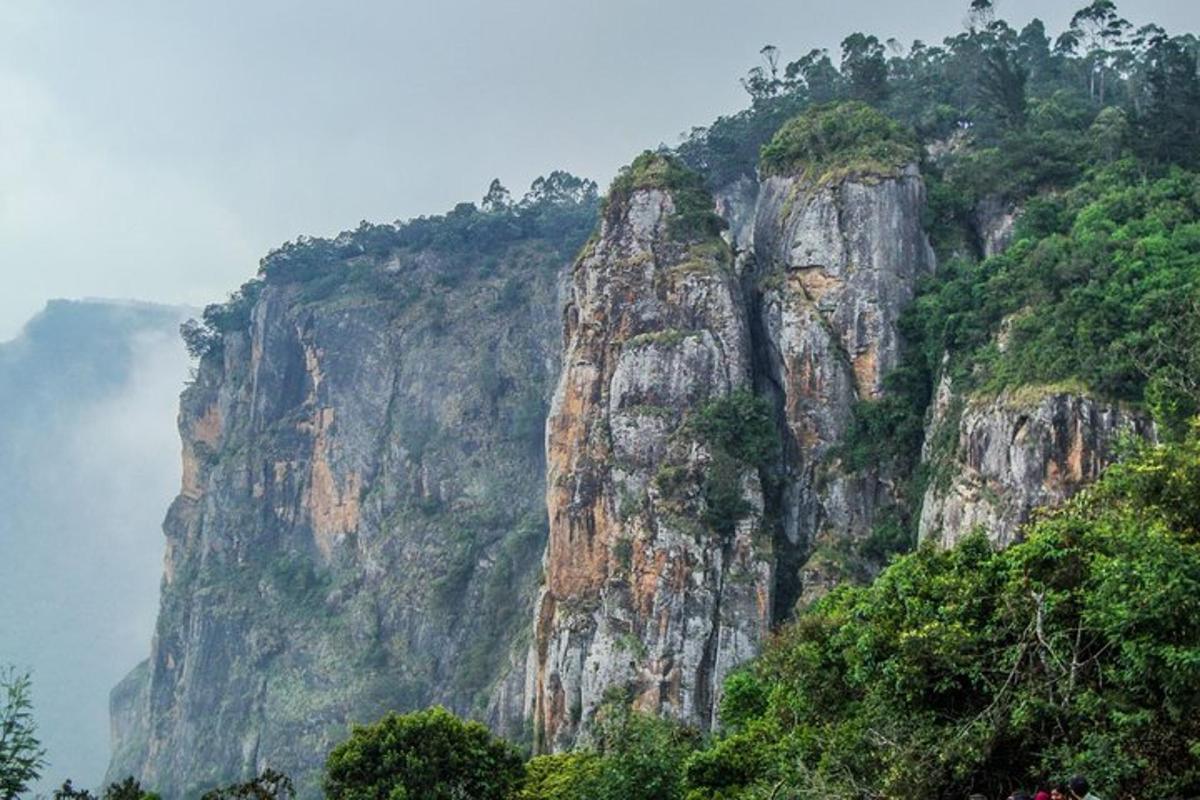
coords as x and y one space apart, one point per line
1015 453
837 262
360 521
642 593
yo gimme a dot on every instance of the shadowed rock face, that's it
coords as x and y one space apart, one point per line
641 593
1017 453
837 263
359 523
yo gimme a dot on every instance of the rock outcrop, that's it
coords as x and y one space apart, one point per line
361 516
640 594
993 462
837 263
646 591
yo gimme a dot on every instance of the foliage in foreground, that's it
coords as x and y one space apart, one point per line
21 755
131 789
633 757
426 755
957 671
966 670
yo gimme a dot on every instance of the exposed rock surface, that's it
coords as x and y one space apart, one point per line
361 516
642 593
1015 453
995 221
838 262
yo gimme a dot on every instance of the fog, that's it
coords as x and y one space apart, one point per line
89 460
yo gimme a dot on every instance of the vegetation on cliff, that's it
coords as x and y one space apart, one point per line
1090 141
1077 650
693 219
954 671
554 217
827 142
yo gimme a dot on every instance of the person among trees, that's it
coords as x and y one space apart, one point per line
1080 790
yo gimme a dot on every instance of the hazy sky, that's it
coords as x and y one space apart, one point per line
157 148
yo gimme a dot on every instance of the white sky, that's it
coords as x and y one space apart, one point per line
156 150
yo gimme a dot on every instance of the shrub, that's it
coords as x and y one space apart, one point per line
426 755
694 218
831 140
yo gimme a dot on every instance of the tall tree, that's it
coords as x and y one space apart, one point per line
21 755
865 68
815 73
1002 88
1170 122
1099 30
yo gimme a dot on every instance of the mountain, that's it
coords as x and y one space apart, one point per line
360 521
87 392
908 301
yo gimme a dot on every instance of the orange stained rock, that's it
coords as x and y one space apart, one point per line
333 508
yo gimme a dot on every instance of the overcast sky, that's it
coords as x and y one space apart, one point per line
156 149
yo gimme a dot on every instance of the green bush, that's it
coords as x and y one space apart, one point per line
831 140
739 431
635 757
426 755
694 218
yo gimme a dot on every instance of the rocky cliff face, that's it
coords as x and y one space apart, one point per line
995 461
640 594
366 484
645 590
361 514
836 262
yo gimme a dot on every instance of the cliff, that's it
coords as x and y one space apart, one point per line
837 262
658 570
360 518
388 430
643 593
995 461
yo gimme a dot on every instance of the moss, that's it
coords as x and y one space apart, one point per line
828 143
694 219
628 504
670 478
1029 395
623 553
647 410
630 643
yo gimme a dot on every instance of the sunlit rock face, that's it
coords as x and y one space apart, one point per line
1018 452
642 594
837 262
